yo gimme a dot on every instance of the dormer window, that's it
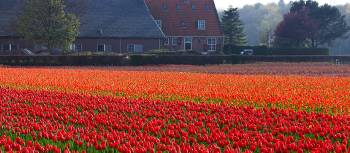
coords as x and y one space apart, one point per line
201 24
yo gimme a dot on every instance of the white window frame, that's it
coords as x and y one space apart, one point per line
174 41
159 23
190 40
104 47
201 24
167 41
212 43
73 47
133 48
81 47
2 47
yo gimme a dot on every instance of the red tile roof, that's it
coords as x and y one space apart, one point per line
179 17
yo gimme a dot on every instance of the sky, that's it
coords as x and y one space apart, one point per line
223 4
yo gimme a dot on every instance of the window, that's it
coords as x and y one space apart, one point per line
174 41
138 48
211 44
76 47
201 24
135 48
101 47
108 48
194 7
188 43
13 47
6 47
159 23
131 48
167 41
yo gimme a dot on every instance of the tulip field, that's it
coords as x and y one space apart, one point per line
124 110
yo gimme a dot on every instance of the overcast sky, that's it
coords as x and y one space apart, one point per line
223 4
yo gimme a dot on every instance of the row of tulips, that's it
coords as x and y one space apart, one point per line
305 69
314 94
43 121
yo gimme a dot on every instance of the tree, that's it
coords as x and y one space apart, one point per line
330 24
269 23
233 28
295 29
251 17
261 20
341 46
46 23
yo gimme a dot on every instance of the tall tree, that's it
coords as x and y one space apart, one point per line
341 46
330 22
46 23
269 23
251 17
233 28
295 29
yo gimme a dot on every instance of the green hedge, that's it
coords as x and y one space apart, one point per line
140 60
263 50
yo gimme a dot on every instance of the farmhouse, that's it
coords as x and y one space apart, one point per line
107 25
188 24
129 26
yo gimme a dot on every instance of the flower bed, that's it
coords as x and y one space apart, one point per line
53 121
313 94
108 110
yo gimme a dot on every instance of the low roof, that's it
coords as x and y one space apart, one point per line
102 18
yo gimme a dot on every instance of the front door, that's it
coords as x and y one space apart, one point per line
188 43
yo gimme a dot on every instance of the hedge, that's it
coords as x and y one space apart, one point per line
263 50
139 60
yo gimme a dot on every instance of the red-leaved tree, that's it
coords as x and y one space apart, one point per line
295 29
